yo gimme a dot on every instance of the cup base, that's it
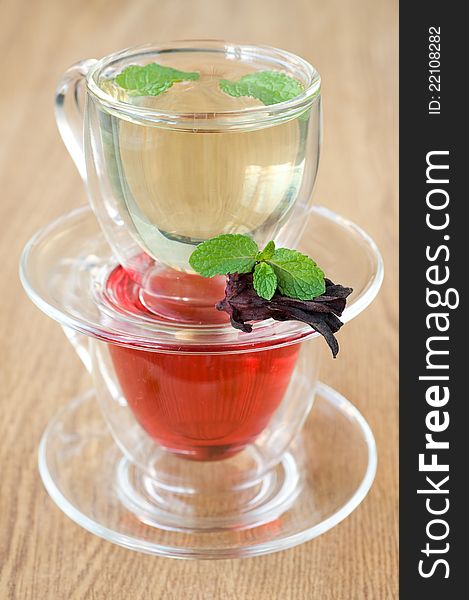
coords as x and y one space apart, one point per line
322 478
209 507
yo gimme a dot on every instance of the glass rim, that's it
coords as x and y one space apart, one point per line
243 118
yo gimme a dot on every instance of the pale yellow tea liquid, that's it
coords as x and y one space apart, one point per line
183 187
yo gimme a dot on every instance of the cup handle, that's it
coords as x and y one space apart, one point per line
79 342
69 111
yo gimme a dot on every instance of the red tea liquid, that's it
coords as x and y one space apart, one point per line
204 406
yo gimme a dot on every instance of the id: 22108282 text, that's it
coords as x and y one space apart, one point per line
434 74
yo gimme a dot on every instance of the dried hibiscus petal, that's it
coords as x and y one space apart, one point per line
243 304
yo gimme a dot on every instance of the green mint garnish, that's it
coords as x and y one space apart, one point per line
264 280
270 87
151 79
267 253
291 273
226 253
298 276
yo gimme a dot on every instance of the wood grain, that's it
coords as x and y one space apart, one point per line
353 43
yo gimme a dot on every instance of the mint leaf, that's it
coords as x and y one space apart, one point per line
264 280
226 253
151 79
270 87
267 253
294 274
298 276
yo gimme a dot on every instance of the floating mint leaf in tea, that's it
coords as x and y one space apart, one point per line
152 79
270 87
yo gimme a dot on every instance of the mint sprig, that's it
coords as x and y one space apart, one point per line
291 273
270 87
226 253
298 275
152 79
267 253
264 280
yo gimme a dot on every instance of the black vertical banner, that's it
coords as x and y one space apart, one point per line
434 243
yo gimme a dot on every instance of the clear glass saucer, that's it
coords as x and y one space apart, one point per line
322 478
65 266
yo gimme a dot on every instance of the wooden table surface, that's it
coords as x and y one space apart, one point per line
353 44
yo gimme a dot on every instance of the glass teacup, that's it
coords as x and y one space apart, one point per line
208 418
165 173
